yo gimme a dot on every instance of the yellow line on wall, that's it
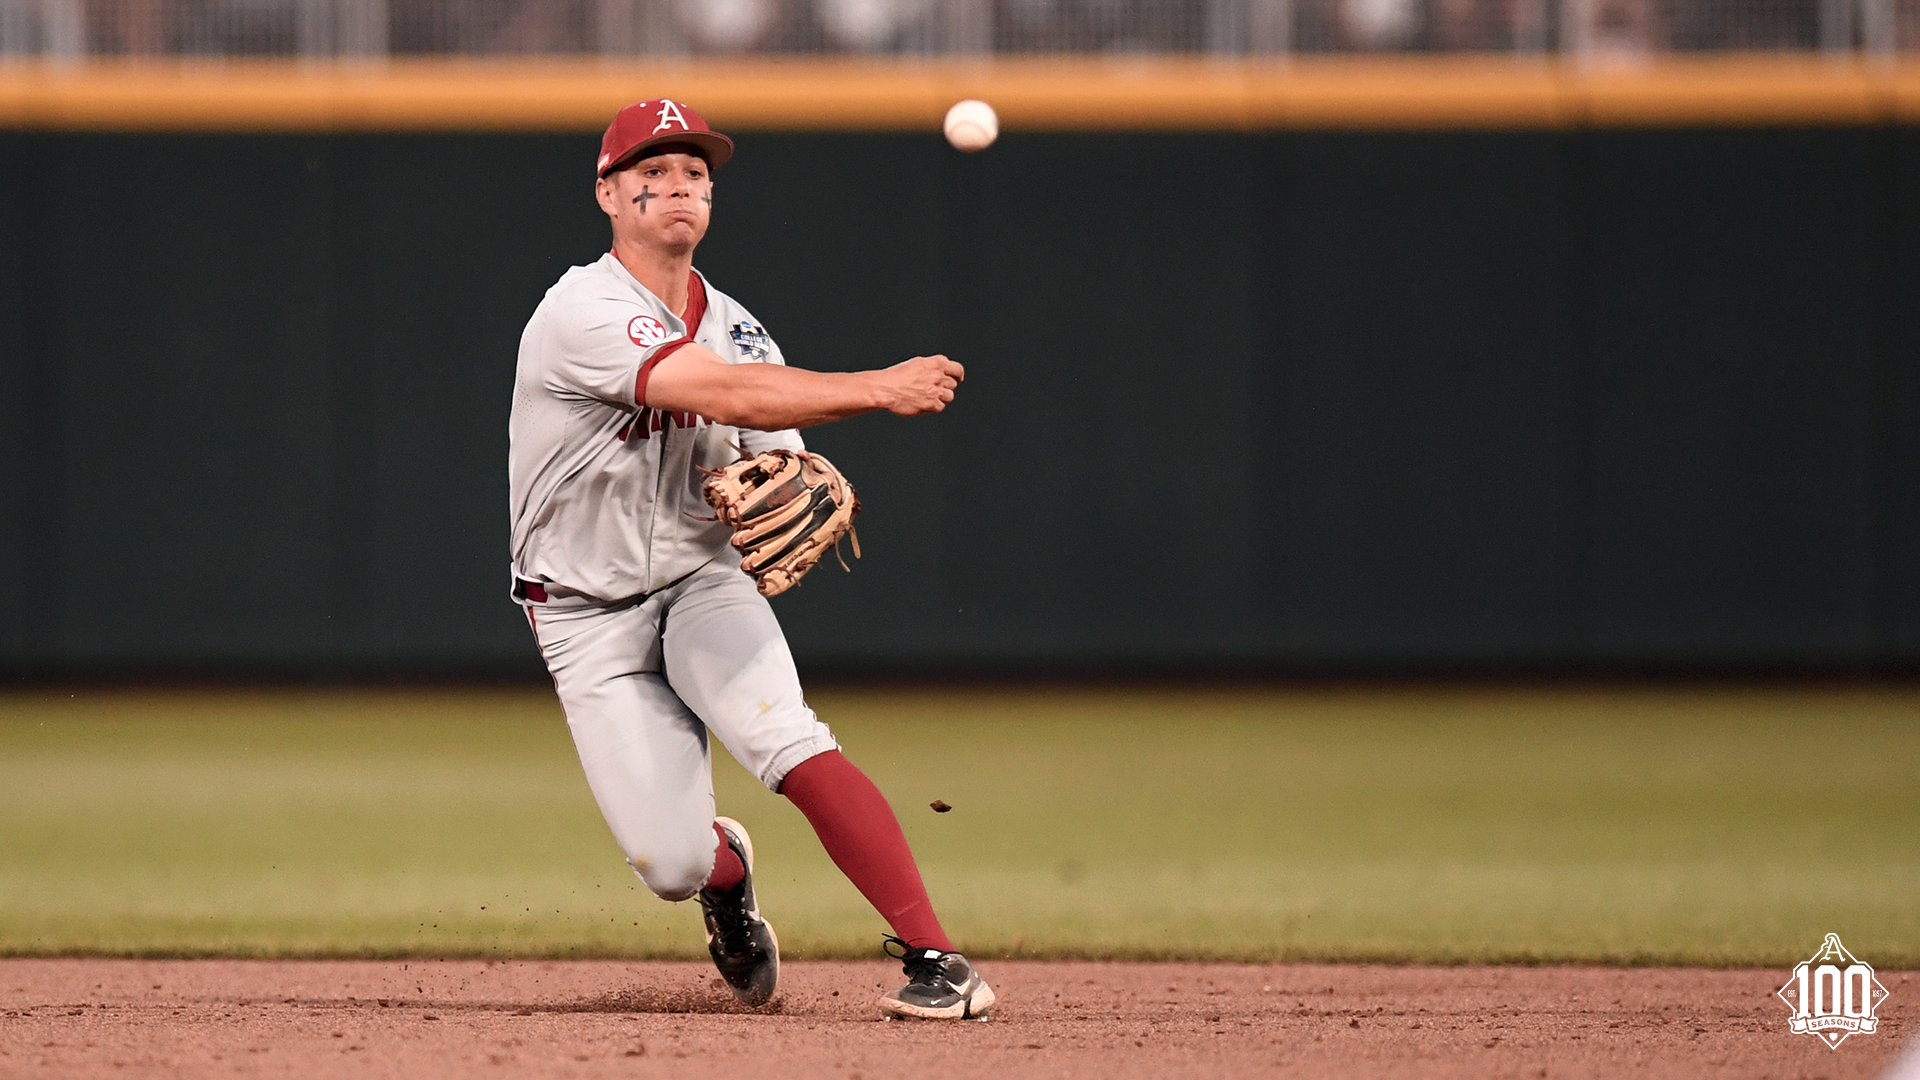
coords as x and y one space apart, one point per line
1049 94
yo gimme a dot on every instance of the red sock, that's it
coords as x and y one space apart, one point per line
728 870
859 831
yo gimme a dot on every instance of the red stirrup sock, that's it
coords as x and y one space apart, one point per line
728 870
859 831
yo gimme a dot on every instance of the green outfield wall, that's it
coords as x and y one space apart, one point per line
1293 402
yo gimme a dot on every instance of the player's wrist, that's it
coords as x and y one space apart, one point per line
877 393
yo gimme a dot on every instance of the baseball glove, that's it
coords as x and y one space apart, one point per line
787 508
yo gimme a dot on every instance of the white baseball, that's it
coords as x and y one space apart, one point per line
972 125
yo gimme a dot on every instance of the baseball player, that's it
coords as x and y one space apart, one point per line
636 376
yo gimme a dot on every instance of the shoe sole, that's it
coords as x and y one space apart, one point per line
977 1006
739 832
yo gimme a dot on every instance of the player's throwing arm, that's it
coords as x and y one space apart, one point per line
768 398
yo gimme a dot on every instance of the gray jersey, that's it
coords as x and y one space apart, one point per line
605 492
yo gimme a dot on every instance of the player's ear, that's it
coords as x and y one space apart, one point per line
603 194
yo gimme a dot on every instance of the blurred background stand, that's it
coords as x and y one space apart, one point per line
1588 29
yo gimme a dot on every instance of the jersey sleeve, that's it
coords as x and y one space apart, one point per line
603 346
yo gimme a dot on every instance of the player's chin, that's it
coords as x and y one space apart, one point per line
680 226
678 237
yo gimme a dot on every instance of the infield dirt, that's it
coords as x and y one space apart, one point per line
425 1019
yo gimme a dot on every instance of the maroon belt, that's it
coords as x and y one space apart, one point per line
534 591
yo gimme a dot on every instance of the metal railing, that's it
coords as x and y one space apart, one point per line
328 28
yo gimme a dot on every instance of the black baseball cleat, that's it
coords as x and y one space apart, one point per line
940 986
741 942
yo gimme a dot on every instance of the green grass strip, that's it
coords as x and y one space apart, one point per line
1707 826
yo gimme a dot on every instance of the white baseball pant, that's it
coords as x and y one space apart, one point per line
643 680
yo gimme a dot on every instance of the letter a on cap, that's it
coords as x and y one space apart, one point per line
669 114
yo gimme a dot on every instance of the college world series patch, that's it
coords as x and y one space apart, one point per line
753 341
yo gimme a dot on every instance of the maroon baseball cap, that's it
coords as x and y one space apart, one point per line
654 121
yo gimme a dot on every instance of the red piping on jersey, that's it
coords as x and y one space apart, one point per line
696 311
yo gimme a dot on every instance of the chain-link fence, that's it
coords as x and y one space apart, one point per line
77 28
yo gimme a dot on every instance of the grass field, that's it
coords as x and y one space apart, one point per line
1710 826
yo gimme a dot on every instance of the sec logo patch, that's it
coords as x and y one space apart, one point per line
646 331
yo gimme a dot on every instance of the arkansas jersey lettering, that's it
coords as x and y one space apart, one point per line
649 420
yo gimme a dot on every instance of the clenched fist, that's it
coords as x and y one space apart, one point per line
923 384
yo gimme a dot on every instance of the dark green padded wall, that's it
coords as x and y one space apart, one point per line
1897 390
1729 354
15 417
1365 403
1411 389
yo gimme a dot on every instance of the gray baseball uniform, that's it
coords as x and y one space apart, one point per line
651 631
